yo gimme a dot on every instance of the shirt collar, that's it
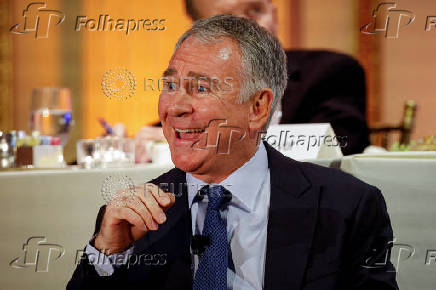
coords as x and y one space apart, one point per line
244 183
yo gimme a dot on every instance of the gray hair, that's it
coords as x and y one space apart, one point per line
263 58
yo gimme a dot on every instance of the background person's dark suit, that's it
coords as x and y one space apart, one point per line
323 226
327 87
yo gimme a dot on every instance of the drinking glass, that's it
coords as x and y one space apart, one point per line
51 112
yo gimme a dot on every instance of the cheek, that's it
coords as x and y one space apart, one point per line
209 107
215 108
162 105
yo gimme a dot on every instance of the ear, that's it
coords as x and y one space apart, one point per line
260 109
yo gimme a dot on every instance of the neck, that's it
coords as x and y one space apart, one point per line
225 171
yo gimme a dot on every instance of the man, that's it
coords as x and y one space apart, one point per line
323 86
249 218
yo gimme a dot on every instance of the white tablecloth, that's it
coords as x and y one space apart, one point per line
61 206
408 183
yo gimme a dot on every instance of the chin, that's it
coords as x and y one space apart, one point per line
186 162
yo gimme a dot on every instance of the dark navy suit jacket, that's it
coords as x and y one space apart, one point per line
326 230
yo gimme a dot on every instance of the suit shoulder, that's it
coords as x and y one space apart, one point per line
171 176
337 182
334 182
341 191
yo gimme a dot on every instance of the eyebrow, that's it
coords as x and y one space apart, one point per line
172 71
198 75
169 72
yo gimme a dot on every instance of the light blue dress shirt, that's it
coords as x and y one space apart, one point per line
247 220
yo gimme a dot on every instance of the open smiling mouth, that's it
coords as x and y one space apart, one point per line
189 134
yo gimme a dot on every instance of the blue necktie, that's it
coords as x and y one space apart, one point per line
212 268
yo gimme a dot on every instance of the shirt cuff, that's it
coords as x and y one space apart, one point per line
104 265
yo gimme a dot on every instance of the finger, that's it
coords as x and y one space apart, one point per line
132 202
138 206
172 198
165 199
153 207
124 213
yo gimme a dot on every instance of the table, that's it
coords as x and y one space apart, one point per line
408 183
60 206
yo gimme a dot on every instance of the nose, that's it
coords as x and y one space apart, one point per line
181 105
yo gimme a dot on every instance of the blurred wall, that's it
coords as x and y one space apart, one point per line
285 33
35 62
397 69
5 69
408 64
330 25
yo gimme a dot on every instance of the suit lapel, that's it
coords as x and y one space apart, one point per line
291 222
178 225
172 240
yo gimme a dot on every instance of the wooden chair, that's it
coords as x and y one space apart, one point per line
380 133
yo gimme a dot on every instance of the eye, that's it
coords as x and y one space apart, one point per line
202 89
171 86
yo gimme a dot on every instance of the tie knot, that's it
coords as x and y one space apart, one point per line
218 196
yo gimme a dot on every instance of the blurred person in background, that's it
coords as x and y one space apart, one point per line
323 86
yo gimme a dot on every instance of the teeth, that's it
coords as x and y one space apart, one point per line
189 130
